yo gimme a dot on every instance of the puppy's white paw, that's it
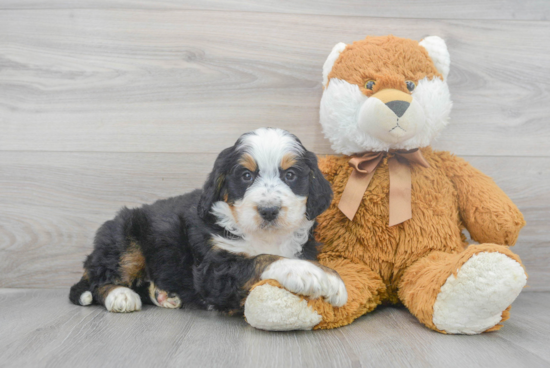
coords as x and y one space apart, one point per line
474 300
274 309
338 295
173 302
305 278
86 298
162 299
122 300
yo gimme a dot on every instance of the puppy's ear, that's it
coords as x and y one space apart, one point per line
211 191
320 192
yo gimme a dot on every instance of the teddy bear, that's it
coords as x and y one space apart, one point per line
395 229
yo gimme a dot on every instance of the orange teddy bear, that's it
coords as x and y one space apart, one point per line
394 231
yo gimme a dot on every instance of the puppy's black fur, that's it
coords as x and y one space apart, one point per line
169 242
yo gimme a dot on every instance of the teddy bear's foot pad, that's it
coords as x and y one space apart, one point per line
474 300
272 308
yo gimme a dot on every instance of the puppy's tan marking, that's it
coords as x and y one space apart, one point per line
132 264
233 211
248 162
288 161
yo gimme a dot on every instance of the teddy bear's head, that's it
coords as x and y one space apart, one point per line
385 93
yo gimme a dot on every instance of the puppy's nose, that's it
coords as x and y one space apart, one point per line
269 213
398 107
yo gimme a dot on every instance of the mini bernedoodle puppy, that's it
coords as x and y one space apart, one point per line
253 220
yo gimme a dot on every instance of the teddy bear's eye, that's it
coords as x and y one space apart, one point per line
369 84
410 85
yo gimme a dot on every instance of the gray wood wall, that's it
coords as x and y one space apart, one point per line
112 103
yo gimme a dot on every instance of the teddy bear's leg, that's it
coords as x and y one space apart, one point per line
271 307
465 293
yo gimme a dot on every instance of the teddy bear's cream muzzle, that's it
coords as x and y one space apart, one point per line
391 116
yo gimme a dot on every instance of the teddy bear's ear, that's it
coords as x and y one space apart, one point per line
437 49
331 59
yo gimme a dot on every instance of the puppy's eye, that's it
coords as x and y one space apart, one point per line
410 85
290 176
370 84
247 176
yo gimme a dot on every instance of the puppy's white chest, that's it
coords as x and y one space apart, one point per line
288 247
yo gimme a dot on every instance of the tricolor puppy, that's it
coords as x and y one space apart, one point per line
253 220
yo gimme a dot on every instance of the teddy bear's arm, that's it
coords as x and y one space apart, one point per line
487 212
271 307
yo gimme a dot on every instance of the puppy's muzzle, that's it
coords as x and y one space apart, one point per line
269 213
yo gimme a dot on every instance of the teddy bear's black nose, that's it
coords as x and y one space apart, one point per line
268 213
398 107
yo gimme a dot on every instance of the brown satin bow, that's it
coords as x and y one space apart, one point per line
364 166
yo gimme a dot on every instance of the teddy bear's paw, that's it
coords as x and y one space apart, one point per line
305 278
474 300
274 309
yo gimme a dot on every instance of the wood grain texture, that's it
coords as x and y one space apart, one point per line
51 203
60 334
438 9
192 81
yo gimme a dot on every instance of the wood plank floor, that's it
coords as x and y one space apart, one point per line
40 328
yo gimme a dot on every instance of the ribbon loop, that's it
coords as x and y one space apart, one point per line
365 165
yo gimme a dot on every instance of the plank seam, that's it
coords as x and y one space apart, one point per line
215 153
280 13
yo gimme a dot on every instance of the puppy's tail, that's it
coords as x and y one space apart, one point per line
81 293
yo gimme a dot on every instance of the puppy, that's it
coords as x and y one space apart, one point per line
253 220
